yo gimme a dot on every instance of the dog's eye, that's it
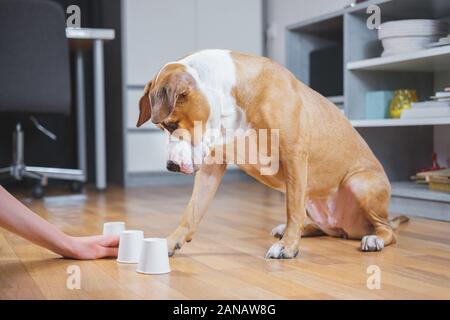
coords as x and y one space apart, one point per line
171 126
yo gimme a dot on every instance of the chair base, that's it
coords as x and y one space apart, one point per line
18 170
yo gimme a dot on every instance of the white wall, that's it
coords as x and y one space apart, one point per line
158 31
281 13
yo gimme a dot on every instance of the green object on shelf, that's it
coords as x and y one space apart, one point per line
377 104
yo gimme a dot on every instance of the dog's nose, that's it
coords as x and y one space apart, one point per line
172 166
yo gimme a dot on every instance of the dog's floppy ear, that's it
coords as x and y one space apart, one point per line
179 86
145 107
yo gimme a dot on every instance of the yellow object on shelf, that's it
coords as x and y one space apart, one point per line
437 186
440 182
402 100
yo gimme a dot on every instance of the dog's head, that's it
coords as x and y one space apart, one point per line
174 102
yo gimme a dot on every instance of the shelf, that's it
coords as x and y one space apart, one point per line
406 9
145 129
407 189
400 122
433 59
324 24
336 99
89 33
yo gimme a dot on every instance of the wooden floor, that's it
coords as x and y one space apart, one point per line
226 258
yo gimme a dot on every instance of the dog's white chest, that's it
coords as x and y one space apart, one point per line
215 73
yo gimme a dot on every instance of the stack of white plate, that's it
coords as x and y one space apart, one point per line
410 35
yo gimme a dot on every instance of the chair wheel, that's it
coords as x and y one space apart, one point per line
38 191
76 186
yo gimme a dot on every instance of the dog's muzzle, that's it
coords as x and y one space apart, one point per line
185 158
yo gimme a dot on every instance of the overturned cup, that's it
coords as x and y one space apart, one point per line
130 246
154 257
113 228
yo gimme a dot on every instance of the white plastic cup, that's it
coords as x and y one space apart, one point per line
154 257
113 228
130 246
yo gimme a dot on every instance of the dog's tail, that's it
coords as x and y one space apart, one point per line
397 221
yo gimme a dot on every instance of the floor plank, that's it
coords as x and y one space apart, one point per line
225 260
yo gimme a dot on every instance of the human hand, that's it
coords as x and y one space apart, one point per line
93 247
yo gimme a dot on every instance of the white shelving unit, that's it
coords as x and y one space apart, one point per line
402 145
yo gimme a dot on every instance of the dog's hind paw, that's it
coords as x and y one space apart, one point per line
279 251
371 243
278 231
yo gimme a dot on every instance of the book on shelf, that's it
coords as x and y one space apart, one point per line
437 180
438 106
425 175
430 104
441 96
441 99
429 112
436 186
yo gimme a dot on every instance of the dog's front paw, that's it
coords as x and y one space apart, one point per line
279 251
173 245
372 243
278 231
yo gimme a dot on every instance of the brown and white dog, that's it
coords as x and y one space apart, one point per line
333 183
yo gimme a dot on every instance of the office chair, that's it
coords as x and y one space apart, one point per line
34 79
